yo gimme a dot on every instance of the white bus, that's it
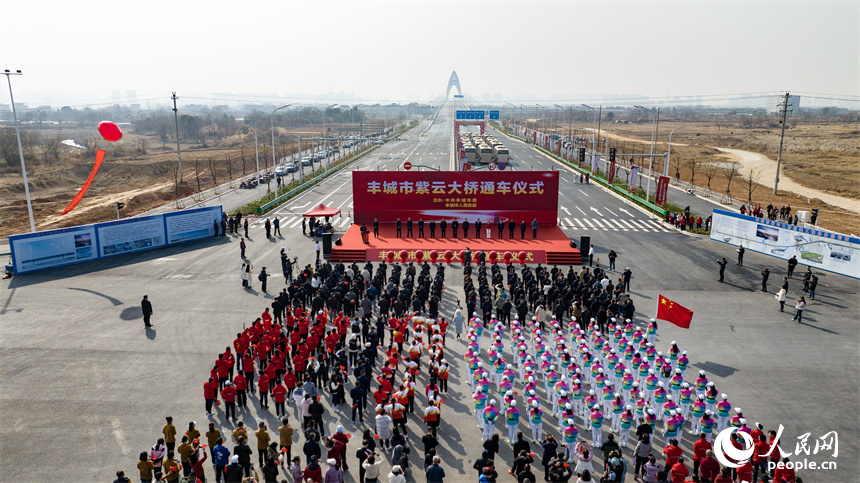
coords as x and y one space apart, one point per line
502 154
486 153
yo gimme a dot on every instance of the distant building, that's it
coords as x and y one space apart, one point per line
774 104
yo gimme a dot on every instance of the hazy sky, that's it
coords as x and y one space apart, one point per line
80 50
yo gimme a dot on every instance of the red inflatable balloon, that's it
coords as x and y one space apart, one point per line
390 257
403 255
448 256
434 255
521 256
508 256
110 131
492 255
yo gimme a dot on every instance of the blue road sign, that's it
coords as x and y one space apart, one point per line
458 96
494 114
502 166
470 115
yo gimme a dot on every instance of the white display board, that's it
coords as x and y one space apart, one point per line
824 250
66 246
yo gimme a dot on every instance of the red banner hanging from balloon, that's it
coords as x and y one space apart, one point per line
100 156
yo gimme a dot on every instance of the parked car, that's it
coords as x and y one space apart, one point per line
307 161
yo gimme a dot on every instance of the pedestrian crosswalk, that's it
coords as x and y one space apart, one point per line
612 224
288 222
584 224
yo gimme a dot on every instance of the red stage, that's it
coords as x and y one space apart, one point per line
551 247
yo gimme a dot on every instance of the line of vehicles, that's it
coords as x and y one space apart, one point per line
483 148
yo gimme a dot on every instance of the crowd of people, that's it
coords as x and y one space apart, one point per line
560 346
596 371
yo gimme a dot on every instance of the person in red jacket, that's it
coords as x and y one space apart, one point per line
783 474
672 452
709 467
290 381
341 437
263 386
229 396
223 370
313 472
279 394
210 393
679 471
745 472
700 448
241 385
231 359
248 368
758 458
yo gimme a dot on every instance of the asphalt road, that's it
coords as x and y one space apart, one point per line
84 388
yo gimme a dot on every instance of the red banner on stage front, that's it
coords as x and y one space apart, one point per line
531 256
662 190
489 196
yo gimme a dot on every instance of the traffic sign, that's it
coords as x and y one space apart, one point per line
502 166
470 115
407 165
494 114
492 166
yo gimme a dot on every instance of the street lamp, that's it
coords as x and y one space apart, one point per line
302 166
651 157
21 149
342 122
273 132
669 152
257 152
593 126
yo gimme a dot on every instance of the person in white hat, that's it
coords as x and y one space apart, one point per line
723 408
333 472
536 421
490 414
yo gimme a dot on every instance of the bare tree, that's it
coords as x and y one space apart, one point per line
52 149
163 129
212 172
693 165
242 151
197 173
751 177
229 167
711 171
676 162
175 171
729 173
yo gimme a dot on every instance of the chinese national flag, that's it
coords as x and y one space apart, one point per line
673 312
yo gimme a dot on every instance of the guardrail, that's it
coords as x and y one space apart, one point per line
618 189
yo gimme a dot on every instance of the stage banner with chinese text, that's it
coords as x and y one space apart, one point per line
490 196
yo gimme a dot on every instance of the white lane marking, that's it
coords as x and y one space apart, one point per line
625 211
297 222
583 192
579 222
607 209
580 210
613 220
566 210
628 224
599 223
596 211
569 223
344 202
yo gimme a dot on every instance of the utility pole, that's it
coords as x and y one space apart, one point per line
785 106
176 121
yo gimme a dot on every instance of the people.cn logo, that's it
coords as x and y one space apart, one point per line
727 454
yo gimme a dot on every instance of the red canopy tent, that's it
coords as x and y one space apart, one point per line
322 211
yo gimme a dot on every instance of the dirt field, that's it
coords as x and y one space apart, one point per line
824 157
141 181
